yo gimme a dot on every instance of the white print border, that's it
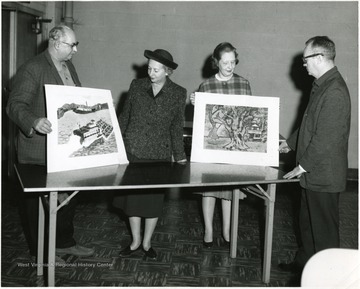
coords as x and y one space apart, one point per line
85 130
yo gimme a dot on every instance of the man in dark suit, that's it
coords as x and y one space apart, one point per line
321 145
26 108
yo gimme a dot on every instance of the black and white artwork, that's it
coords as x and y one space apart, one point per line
237 129
85 131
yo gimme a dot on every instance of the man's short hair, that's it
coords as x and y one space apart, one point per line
322 44
58 31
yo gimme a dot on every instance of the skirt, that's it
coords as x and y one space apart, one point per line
138 203
227 195
145 203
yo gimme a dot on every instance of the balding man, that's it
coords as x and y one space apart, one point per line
26 108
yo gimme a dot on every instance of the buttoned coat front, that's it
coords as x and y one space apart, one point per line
321 142
152 126
27 103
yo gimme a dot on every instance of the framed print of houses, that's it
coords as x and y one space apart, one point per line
85 130
236 129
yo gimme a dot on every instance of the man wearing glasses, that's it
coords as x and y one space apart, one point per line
321 145
26 108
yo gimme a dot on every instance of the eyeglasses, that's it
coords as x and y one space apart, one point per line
311 55
72 45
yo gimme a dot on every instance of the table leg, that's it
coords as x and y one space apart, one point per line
269 225
41 230
52 237
234 222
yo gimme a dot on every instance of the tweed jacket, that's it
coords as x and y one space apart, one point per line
27 103
321 142
152 127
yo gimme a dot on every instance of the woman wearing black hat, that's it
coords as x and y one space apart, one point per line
151 122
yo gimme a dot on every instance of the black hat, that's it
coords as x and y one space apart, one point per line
162 56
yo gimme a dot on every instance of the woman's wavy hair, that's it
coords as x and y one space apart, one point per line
219 50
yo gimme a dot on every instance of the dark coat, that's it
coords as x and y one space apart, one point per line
321 142
27 103
152 127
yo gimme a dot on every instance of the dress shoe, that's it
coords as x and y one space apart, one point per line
294 281
127 251
76 250
290 267
208 245
59 260
150 253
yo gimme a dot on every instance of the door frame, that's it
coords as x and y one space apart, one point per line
14 8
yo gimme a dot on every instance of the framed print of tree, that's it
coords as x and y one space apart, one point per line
237 129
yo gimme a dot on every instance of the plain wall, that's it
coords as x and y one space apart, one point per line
269 37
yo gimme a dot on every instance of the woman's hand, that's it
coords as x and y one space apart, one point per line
192 98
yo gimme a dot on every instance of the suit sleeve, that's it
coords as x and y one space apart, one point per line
331 126
292 140
22 96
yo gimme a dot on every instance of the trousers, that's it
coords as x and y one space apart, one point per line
64 223
318 222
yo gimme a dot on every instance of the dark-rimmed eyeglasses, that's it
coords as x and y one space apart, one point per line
311 55
72 45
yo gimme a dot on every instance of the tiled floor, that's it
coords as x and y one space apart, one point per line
182 260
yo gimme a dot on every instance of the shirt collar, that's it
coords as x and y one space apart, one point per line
325 76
